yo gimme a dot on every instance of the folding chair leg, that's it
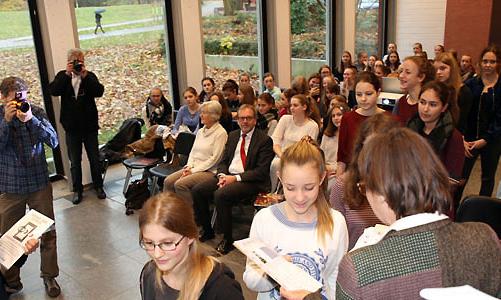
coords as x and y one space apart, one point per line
127 179
154 186
213 218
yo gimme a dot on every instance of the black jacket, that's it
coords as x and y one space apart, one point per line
259 157
78 114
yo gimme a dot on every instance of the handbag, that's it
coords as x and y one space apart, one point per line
137 193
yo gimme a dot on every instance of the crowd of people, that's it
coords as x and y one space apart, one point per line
344 163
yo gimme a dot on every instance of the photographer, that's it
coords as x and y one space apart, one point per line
78 87
24 177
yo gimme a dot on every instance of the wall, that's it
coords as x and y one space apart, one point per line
468 21
419 21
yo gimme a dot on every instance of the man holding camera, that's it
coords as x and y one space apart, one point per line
24 177
78 87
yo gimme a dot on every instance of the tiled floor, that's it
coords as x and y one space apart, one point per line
99 256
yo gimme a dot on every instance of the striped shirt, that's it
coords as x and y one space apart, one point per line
22 155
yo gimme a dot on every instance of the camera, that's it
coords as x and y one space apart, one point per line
21 101
77 66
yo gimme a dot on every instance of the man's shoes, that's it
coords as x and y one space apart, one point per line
77 198
100 193
52 288
13 288
225 246
206 235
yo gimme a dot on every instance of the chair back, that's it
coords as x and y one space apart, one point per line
184 143
481 209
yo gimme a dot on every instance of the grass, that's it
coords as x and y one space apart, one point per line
17 23
135 38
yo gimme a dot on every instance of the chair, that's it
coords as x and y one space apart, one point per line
481 209
182 149
138 162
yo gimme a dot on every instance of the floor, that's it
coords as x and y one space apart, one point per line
99 255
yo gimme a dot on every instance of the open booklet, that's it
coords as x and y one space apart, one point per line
285 273
31 226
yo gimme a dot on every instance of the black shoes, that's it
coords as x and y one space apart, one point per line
13 288
100 193
77 197
206 235
52 288
225 246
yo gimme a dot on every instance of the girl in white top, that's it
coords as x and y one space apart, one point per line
330 139
290 129
303 227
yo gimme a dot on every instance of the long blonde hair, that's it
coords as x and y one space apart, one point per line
176 215
304 152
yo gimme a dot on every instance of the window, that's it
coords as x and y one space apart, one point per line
309 33
368 27
230 40
18 56
127 53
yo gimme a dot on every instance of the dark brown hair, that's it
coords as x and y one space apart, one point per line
446 94
401 166
370 78
225 109
379 123
331 129
494 49
266 97
424 68
249 95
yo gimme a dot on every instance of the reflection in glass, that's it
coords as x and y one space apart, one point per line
367 34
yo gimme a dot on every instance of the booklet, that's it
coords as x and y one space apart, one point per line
285 273
31 226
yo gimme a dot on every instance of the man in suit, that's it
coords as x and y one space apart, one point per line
242 173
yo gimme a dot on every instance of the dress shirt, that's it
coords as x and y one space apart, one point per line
75 82
236 166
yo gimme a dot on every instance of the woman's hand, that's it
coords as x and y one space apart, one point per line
186 171
293 295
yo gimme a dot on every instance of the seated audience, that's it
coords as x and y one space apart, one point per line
290 129
283 105
247 95
314 86
241 174
372 62
447 71
391 47
324 71
245 79
226 119
344 195
208 87
416 71
417 48
267 115
188 116
157 110
393 61
269 84
467 68
367 87
230 92
178 268
303 227
348 85
330 139
330 90
423 248
204 156
362 62
337 99
346 61
439 49
381 71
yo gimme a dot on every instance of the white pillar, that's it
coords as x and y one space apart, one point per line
279 41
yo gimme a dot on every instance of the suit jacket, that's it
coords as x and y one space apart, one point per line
259 157
78 112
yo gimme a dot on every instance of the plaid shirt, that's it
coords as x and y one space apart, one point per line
23 168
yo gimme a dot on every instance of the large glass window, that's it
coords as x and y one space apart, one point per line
309 32
127 53
368 26
230 40
18 56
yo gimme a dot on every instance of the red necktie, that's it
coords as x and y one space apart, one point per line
242 150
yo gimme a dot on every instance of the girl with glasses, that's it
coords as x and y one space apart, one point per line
178 269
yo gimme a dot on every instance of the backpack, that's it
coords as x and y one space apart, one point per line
129 132
137 193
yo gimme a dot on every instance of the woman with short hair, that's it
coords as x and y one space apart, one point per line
204 156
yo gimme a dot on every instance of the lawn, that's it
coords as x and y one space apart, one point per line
15 24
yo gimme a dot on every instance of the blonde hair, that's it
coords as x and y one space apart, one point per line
176 215
304 152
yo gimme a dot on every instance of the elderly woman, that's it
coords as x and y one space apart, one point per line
204 156
409 191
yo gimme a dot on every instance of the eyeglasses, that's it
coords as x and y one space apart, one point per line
165 246
361 188
245 118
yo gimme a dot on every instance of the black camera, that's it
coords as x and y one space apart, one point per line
77 66
21 99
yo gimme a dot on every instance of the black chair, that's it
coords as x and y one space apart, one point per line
182 149
481 209
138 163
